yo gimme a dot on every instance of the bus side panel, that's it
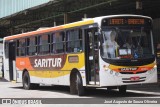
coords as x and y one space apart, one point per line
6 69
63 79
19 75
42 71
106 79
74 61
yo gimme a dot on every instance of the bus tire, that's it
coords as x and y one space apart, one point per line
76 86
122 89
73 84
26 82
80 87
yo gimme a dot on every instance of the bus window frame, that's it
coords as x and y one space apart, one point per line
35 45
80 29
39 45
51 43
17 48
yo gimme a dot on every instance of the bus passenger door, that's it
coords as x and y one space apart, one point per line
12 63
91 56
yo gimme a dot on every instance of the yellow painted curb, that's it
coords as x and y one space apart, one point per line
13 81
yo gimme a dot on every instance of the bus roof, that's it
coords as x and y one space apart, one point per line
70 25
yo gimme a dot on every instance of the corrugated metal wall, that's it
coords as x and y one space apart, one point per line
8 7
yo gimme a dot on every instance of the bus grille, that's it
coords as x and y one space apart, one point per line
133 72
128 80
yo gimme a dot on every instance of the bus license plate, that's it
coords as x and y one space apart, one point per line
134 78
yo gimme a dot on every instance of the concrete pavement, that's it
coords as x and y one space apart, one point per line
15 90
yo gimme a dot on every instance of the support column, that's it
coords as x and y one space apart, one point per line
65 18
138 6
12 31
85 15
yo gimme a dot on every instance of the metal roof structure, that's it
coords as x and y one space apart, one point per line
55 11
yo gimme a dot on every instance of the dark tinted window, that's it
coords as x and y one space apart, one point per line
21 47
44 46
32 46
58 42
74 40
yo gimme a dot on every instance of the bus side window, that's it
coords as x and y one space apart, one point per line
74 40
32 46
21 47
27 46
53 41
44 44
59 40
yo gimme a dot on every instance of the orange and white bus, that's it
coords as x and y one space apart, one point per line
109 51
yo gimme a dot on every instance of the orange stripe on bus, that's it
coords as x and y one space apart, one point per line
24 63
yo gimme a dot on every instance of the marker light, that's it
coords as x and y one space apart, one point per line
111 71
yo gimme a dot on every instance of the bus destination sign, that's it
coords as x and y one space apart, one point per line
126 21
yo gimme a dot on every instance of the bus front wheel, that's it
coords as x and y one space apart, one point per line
76 85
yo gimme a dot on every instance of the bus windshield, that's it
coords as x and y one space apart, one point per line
126 42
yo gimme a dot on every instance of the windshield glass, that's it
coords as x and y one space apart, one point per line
125 42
